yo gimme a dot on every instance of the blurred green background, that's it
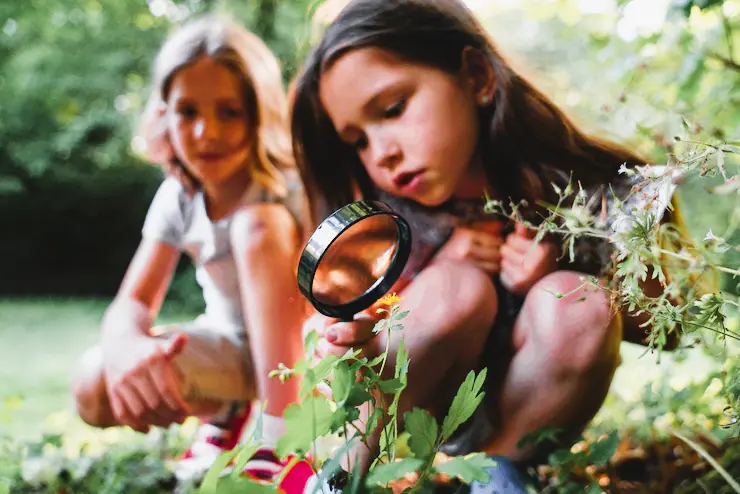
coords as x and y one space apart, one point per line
74 75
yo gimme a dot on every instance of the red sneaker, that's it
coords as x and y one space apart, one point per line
212 440
265 466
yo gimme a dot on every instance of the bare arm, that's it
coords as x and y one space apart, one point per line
142 290
266 245
142 385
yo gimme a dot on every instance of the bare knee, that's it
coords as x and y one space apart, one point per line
576 322
465 308
88 390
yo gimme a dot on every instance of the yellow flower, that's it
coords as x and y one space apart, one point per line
390 299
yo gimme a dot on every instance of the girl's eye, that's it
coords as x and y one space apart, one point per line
395 110
187 111
231 113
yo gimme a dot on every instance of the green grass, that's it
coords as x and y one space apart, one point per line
41 340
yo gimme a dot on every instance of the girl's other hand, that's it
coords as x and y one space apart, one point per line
478 243
524 263
336 337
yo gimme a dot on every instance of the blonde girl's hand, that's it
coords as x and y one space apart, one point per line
524 262
142 384
479 243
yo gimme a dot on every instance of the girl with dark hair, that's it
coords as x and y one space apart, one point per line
409 102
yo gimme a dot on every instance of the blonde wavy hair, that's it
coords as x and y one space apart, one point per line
229 43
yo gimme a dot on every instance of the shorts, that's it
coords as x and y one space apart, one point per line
477 432
214 364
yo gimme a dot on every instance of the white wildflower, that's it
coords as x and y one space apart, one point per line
710 236
625 171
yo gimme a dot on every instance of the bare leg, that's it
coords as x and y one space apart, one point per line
452 308
565 354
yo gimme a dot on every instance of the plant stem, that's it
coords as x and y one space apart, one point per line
683 257
704 454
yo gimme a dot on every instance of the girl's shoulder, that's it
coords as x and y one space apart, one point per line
169 212
295 198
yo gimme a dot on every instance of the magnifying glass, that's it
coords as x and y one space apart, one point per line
353 258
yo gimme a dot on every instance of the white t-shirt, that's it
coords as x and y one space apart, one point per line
182 221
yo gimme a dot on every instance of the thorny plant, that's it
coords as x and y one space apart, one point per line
690 305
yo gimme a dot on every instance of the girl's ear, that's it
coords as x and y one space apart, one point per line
478 71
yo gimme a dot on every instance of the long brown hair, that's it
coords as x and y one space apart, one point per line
523 134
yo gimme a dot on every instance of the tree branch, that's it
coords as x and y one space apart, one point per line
730 64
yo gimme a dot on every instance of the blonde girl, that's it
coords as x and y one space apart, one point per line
233 203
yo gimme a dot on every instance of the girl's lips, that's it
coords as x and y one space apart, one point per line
403 180
210 156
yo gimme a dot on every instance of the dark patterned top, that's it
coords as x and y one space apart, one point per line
432 227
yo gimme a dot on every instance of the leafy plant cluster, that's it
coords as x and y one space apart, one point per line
363 406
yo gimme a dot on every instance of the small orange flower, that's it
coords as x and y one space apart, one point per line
390 299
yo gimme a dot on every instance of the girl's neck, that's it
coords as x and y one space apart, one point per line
221 199
474 183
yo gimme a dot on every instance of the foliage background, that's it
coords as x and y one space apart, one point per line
74 75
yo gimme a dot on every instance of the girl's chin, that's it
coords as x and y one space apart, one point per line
432 198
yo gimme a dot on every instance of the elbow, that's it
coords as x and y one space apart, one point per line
264 231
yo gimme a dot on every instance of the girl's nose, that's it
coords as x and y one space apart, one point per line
385 152
206 128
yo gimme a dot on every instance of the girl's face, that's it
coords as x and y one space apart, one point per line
206 121
415 128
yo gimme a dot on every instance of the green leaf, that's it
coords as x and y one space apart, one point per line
387 472
594 488
468 468
387 439
603 451
540 436
238 485
379 326
343 416
244 454
401 373
401 315
310 342
402 362
317 374
211 479
341 383
334 464
424 431
357 395
464 404
374 419
304 423
390 386
560 457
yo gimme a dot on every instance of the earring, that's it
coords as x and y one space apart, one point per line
485 99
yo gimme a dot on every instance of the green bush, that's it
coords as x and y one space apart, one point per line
74 234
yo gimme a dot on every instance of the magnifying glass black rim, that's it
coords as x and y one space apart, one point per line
342 219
